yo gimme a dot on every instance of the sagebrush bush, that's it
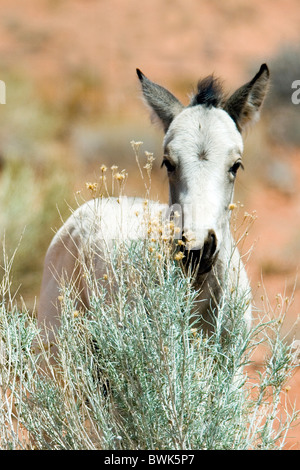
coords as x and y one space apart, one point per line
135 371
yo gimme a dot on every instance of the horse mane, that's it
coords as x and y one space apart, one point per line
209 92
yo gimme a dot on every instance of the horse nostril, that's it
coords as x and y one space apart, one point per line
211 241
202 259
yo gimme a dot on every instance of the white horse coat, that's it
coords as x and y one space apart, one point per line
202 153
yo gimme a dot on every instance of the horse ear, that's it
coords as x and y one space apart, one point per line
245 104
163 104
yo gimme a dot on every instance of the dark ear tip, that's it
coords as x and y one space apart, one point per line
264 68
140 74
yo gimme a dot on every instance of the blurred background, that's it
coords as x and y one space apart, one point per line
73 103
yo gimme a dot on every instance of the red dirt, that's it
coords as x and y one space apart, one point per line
174 42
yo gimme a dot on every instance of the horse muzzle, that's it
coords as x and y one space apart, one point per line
200 260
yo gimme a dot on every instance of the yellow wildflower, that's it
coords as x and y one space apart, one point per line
119 176
179 256
91 186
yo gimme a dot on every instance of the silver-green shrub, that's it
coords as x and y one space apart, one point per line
135 372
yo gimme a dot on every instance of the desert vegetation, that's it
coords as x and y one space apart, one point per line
134 371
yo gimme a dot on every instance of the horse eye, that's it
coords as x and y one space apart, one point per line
169 166
233 170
